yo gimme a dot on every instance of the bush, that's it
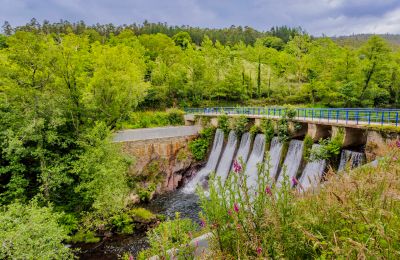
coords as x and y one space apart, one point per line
223 124
268 129
199 146
175 233
239 125
32 232
175 116
142 215
254 130
307 146
148 119
283 130
329 149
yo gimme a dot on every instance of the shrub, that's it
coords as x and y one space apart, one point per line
308 143
239 125
123 223
145 193
32 232
283 130
199 146
223 124
329 149
268 129
291 112
175 116
254 130
175 233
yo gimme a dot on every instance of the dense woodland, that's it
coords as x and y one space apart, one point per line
65 87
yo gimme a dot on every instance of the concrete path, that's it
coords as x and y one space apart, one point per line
155 133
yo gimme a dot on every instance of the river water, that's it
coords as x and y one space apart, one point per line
117 245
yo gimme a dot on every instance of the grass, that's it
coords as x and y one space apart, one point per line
148 119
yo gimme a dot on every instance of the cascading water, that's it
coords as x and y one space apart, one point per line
226 159
292 160
212 162
256 157
244 148
351 159
313 172
275 154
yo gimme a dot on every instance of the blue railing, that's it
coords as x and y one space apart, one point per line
353 116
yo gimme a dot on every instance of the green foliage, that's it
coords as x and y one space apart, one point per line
268 129
175 233
291 112
307 145
85 237
342 220
250 222
283 130
330 148
239 125
102 171
199 146
175 117
141 214
223 124
254 130
145 193
32 232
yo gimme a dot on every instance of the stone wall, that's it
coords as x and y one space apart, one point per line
163 161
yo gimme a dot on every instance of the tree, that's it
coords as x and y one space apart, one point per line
182 39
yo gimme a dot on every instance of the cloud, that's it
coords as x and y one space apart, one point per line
330 17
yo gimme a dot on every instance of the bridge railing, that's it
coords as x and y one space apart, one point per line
353 116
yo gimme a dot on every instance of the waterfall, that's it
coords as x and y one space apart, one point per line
244 148
275 153
353 159
292 160
313 172
226 159
212 162
256 157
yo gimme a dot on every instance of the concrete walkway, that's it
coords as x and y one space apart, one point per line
155 133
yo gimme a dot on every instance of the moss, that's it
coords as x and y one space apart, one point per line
84 237
142 215
182 155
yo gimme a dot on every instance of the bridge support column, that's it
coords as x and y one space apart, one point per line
351 136
214 121
297 129
317 131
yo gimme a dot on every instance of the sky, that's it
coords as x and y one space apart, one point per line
317 17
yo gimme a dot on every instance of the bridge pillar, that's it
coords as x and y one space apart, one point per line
214 121
317 131
351 136
297 129
189 119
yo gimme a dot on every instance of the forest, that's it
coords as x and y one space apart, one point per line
64 88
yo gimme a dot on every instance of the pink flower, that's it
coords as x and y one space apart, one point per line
236 207
237 167
294 181
202 223
259 250
394 158
268 190
229 212
131 257
398 143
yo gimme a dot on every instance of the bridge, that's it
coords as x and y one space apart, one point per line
338 116
359 125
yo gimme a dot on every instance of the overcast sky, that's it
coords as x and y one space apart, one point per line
330 17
